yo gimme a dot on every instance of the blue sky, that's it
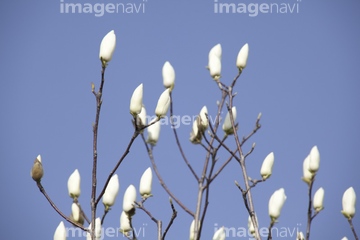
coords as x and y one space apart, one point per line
302 74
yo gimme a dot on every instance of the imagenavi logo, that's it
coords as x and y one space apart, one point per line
100 9
254 9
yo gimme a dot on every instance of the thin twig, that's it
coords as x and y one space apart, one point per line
353 229
158 223
272 223
242 160
104 215
178 141
141 206
221 143
202 187
133 230
173 216
98 97
309 213
126 152
42 190
256 128
162 183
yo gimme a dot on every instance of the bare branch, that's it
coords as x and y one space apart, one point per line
242 161
98 97
126 152
272 223
309 213
42 190
256 128
353 229
173 216
162 183
178 141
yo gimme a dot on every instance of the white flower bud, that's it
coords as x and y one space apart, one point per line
307 175
251 225
125 227
319 200
216 51
74 184
136 100
348 203
37 171
344 238
145 183
215 67
192 229
214 64
163 104
60 232
97 230
153 132
129 199
242 57
227 126
76 214
219 234
168 74
204 118
111 192
266 168
276 203
107 47
196 133
141 117
300 236
314 162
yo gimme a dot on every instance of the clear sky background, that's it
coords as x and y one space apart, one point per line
302 74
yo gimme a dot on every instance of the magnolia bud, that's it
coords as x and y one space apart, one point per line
344 238
76 215
219 234
125 227
107 47
214 63
74 184
266 168
276 203
227 126
141 118
319 199
215 67
314 162
153 132
163 104
97 230
37 171
307 175
145 184
129 199
168 74
216 51
348 203
242 57
251 225
60 232
204 121
111 192
136 101
192 229
300 236
196 134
